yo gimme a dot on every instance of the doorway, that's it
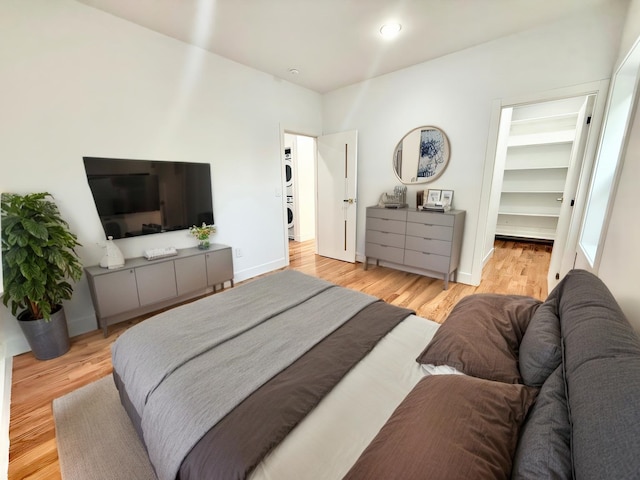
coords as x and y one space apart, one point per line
300 183
322 195
540 166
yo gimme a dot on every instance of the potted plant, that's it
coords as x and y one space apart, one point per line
203 233
38 259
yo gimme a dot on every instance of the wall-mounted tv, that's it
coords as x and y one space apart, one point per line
140 197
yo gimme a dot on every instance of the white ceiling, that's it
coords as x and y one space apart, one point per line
334 43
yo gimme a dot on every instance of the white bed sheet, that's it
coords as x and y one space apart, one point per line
332 437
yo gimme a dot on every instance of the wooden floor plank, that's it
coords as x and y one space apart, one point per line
518 268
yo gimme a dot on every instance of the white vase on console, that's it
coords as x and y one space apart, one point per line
113 257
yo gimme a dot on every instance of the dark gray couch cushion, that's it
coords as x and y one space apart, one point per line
540 351
544 451
602 373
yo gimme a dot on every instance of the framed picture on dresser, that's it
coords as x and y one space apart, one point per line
433 196
446 197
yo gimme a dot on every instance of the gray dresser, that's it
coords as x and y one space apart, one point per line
429 241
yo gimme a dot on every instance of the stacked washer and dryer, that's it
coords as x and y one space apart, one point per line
288 166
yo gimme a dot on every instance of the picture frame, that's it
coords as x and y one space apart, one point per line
446 197
433 196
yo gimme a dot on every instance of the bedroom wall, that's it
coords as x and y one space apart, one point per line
76 81
455 93
620 260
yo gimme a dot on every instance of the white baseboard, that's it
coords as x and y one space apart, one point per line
487 257
239 276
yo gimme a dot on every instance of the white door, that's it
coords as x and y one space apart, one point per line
336 190
570 214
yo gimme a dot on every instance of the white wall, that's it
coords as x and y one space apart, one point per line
305 185
75 81
456 93
620 261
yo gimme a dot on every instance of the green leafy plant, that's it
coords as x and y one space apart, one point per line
203 232
38 255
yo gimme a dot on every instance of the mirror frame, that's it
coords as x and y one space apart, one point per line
440 165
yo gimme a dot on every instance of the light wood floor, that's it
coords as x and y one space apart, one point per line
516 268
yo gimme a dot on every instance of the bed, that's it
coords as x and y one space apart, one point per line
249 383
292 377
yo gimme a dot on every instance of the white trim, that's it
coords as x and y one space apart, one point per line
5 402
597 87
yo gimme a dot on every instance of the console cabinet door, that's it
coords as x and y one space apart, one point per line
219 266
191 274
116 292
156 283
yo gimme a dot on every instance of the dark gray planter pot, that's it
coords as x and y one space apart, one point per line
47 339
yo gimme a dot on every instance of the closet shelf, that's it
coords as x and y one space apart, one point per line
535 167
554 191
524 212
546 138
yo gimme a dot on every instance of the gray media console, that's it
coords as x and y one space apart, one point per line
143 286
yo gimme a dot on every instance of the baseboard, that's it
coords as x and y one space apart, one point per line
241 275
487 257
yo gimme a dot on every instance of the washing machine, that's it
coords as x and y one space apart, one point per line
288 168
290 216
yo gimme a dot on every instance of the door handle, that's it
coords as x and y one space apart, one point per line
349 200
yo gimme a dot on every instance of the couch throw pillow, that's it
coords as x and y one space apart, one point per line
450 427
482 335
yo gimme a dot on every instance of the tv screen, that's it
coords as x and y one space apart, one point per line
140 197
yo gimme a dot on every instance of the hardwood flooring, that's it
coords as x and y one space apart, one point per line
516 268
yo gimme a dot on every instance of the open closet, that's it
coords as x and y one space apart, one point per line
541 156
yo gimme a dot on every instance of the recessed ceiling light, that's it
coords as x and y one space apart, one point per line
294 71
390 30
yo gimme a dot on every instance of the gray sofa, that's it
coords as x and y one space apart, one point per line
551 391
585 423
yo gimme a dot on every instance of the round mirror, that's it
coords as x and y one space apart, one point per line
421 156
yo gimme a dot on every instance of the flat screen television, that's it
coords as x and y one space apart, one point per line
140 197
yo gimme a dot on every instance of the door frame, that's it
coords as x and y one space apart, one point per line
283 187
490 196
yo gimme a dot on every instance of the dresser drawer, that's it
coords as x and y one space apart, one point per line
436 232
386 225
431 218
428 261
382 252
419 244
385 238
388 213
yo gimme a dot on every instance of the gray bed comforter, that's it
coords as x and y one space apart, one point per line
237 341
